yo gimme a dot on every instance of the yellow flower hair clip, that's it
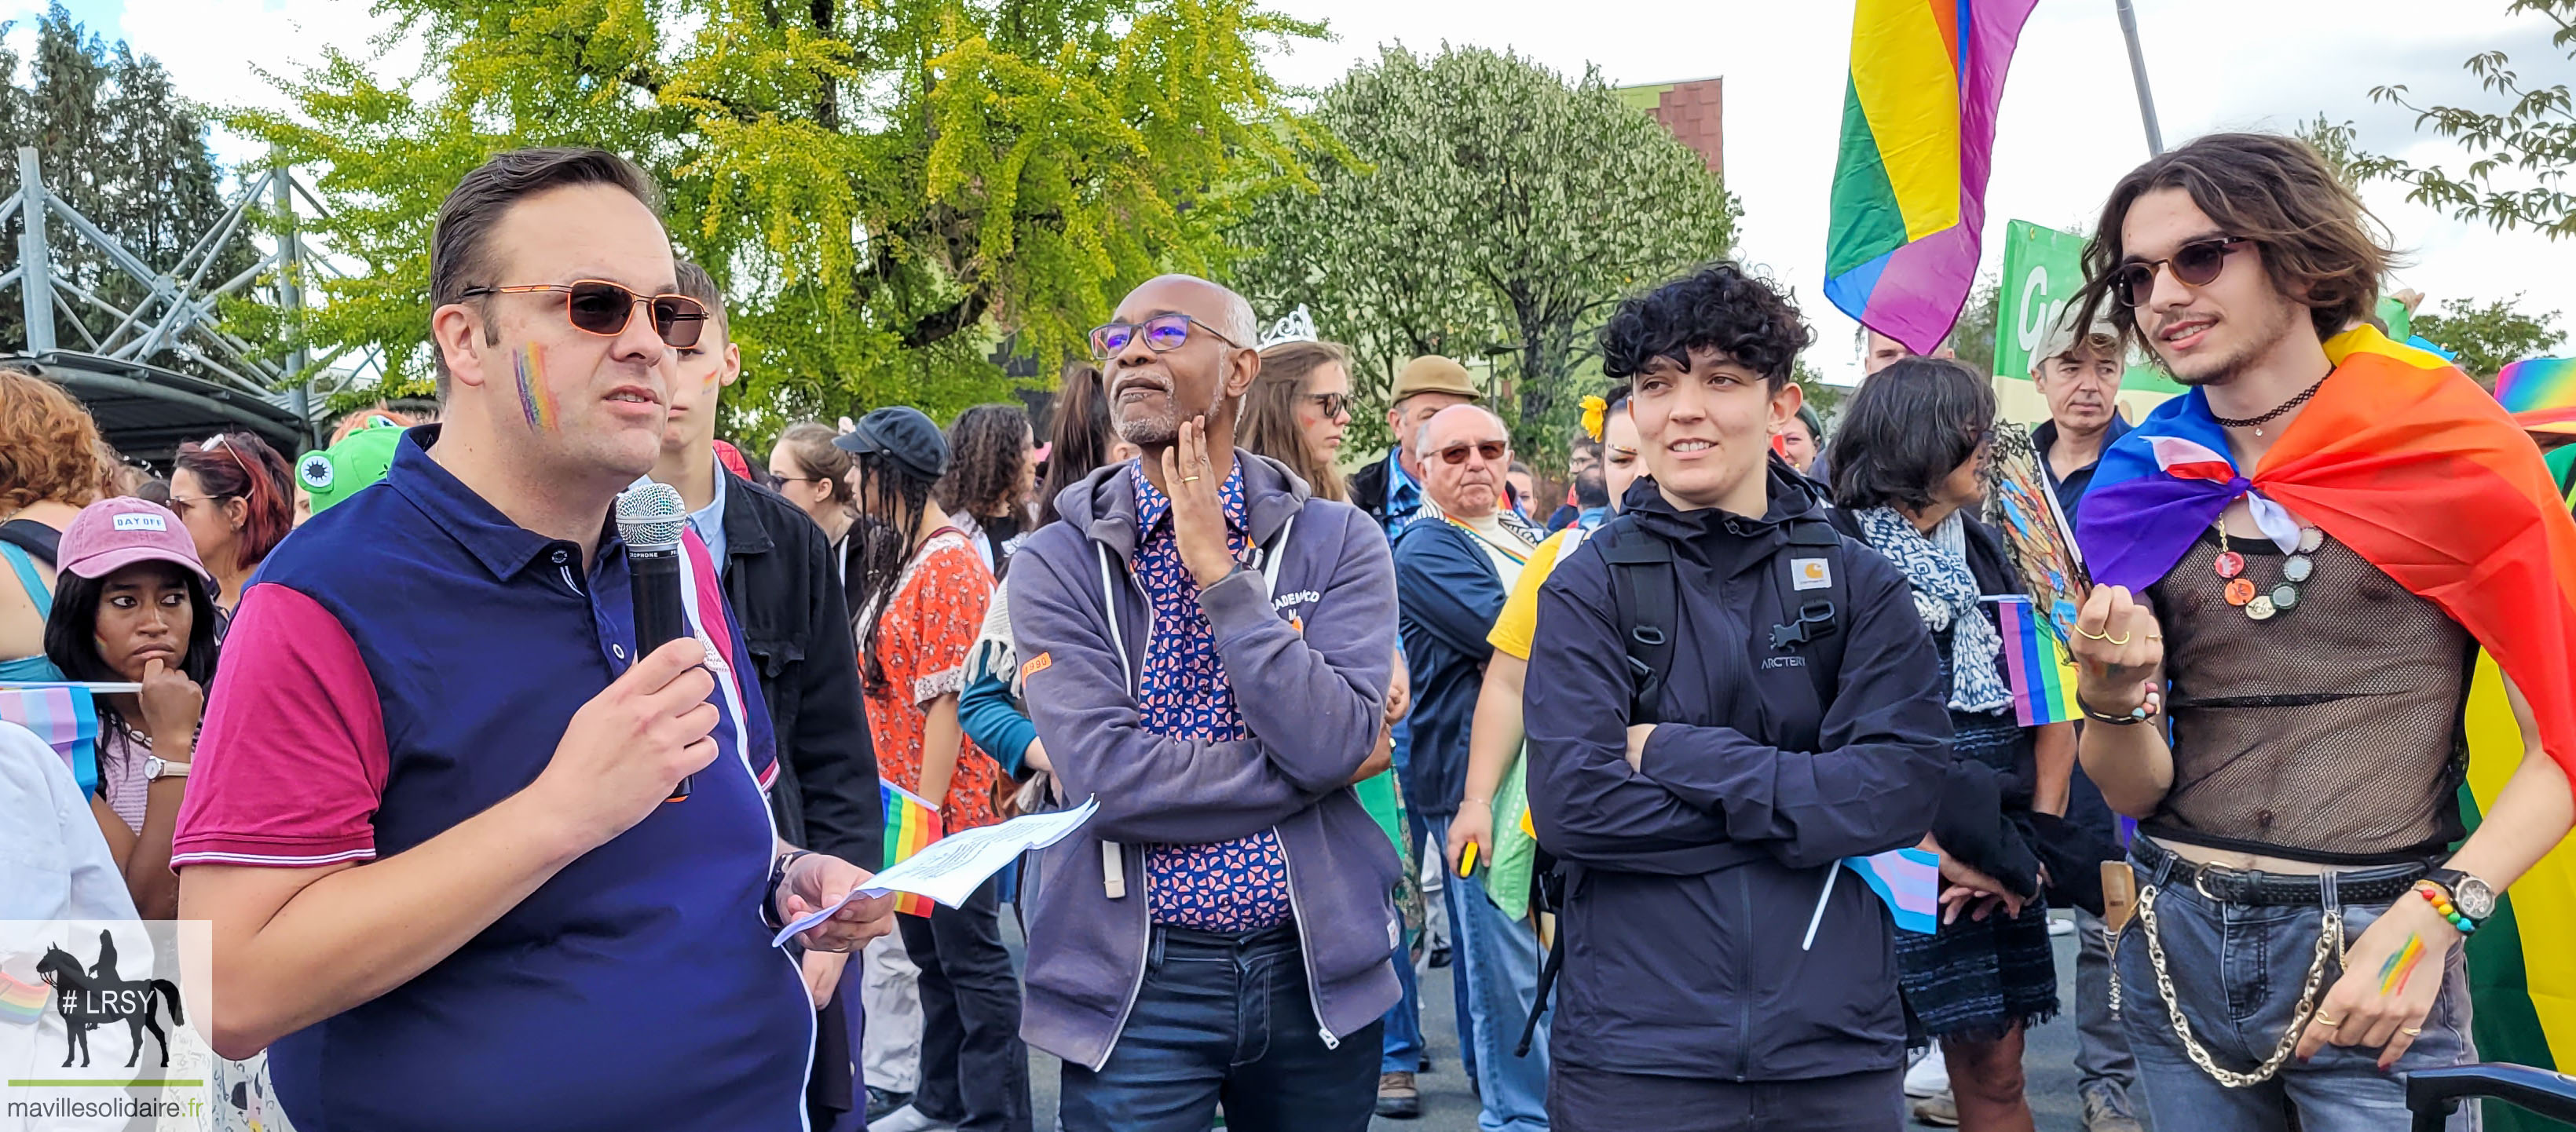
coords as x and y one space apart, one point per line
1593 407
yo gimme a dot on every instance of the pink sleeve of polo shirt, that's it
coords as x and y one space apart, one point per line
291 760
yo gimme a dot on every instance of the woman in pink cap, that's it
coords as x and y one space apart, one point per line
133 606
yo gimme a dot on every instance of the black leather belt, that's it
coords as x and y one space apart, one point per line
2374 885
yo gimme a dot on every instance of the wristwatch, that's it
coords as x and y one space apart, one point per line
156 768
2468 894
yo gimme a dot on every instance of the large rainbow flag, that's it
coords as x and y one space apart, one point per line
1909 197
911 824
2405 460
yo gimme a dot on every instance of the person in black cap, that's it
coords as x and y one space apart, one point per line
922 593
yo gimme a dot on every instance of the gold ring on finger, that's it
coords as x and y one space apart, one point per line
2114 640
1189 479
2090 635
2412 1031
2329 1023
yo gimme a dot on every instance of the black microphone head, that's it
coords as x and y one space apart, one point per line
650 517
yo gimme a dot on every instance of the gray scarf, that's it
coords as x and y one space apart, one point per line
1945 593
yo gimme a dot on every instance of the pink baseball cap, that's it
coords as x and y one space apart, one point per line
112 534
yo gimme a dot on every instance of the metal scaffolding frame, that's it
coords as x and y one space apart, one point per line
176 321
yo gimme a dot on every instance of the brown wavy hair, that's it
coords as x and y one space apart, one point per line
1270 425
2320 246
48 444
1080 438
239 465
810 445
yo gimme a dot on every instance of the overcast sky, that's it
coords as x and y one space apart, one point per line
2069 124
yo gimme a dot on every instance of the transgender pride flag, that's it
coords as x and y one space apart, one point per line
64 717
1908 881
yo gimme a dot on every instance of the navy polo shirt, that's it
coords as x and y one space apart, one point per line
411 658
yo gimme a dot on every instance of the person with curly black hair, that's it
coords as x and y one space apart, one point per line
987 489
1717 970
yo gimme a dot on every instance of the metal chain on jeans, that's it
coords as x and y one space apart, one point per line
2329 945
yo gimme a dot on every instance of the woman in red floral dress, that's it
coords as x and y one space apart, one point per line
923 590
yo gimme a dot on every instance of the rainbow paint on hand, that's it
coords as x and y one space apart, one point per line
2393 974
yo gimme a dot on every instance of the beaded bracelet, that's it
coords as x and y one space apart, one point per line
2442 905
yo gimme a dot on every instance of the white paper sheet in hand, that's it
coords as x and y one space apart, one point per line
952 867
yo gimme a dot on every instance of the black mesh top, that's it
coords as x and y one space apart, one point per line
2329 733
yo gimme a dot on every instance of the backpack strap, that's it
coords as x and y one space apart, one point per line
1814 602
1642 594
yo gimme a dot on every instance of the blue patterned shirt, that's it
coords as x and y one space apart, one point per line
1403 496
1226 886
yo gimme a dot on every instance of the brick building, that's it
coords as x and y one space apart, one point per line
1694 111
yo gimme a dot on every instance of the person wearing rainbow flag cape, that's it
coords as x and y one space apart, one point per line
2298 561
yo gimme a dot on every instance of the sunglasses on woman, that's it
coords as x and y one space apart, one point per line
1331 405
595 306
1163 334
2195 264
1492 451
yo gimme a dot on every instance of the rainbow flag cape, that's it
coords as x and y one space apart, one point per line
2041 674
2405 460
22 1002
911 824
62 715
1908 881
1909 196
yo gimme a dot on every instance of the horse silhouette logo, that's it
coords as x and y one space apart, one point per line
97 997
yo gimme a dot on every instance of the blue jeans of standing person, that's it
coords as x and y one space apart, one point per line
1402 1051
2237 971
1226 1020
1496 960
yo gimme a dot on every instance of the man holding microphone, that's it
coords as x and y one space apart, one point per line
430 819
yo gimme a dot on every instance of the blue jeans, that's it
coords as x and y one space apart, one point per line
1225 1020
1497 960
1401 1051
2237 971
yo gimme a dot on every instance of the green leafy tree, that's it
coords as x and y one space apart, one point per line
2338 143
115 141
1478 205
2520 151
1973 336
2490 337
891 193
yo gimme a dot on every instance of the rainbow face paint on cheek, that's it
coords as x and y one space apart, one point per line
535 400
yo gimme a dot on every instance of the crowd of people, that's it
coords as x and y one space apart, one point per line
473 856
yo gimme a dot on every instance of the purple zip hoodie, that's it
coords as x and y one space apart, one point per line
1308 640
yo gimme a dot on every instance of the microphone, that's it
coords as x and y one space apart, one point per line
650 518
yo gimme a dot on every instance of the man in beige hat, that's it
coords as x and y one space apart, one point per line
1390 490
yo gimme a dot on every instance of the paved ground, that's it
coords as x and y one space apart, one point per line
1447 1106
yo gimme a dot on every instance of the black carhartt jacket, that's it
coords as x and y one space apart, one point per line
1690 882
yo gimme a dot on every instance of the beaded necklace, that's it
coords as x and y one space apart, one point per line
2295 571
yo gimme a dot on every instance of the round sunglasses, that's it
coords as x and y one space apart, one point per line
2195 264
1331 405
596 306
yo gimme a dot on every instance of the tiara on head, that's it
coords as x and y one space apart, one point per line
1299 326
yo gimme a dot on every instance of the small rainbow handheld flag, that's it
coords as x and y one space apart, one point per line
2042 677
911 824
22 1002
